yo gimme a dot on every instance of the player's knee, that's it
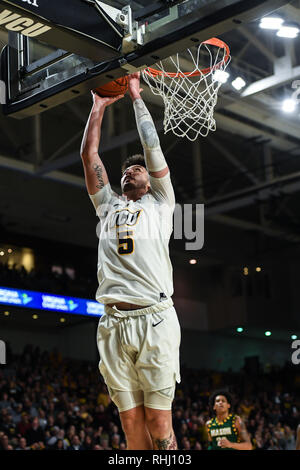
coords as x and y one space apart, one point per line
128 425
131 421
158 425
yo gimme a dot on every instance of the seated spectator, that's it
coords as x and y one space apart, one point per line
88 443
105 444
115 441
290 439
8 426
4 442
5 402
42 418
59 445
17 412
24 424
76 444
103 397
35 433
61 437
52 436
70 434
22 444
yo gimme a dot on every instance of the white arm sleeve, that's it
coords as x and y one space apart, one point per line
103 196
103 200
162 190
155 160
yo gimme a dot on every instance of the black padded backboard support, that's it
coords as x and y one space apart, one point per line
73 25
211 19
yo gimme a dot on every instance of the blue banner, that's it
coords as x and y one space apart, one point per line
56 303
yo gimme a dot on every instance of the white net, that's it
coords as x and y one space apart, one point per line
190 97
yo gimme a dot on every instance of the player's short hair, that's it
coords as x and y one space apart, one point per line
137 159
222 392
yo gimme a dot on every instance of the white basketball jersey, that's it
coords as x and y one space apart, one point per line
133 254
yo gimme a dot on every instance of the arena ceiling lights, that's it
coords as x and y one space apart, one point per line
277 24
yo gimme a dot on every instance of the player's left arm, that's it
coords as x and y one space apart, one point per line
245 443
155 161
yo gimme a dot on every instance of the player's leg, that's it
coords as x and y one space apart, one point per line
159 423
158 368
135 429
129 402
132 414
158 414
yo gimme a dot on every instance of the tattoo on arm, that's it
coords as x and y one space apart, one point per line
145 124
149 134
166 444
99 174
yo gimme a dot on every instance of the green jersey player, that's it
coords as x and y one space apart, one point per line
226 430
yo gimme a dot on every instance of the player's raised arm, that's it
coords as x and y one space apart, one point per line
161 186
155 160
94 170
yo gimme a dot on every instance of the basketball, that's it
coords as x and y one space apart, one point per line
113 88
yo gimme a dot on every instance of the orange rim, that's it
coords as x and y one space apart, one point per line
212 42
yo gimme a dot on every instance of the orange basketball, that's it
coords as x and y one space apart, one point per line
114 88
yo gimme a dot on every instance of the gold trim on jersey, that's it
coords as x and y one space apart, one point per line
223 422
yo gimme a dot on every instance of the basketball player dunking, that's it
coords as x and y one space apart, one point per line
226 430
138 337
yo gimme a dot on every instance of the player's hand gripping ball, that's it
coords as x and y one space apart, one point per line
115 88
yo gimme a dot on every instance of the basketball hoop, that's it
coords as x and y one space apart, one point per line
190 97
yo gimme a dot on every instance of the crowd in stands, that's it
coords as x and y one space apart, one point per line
48 402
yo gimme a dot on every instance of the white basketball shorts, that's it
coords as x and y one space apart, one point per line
139 349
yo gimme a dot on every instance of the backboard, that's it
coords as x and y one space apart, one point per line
56 53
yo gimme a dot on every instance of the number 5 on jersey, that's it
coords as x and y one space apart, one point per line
125 242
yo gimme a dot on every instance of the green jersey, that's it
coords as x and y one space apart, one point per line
226 428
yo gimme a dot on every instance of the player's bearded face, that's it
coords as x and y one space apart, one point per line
134 177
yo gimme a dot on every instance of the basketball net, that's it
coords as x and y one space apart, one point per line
190 97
